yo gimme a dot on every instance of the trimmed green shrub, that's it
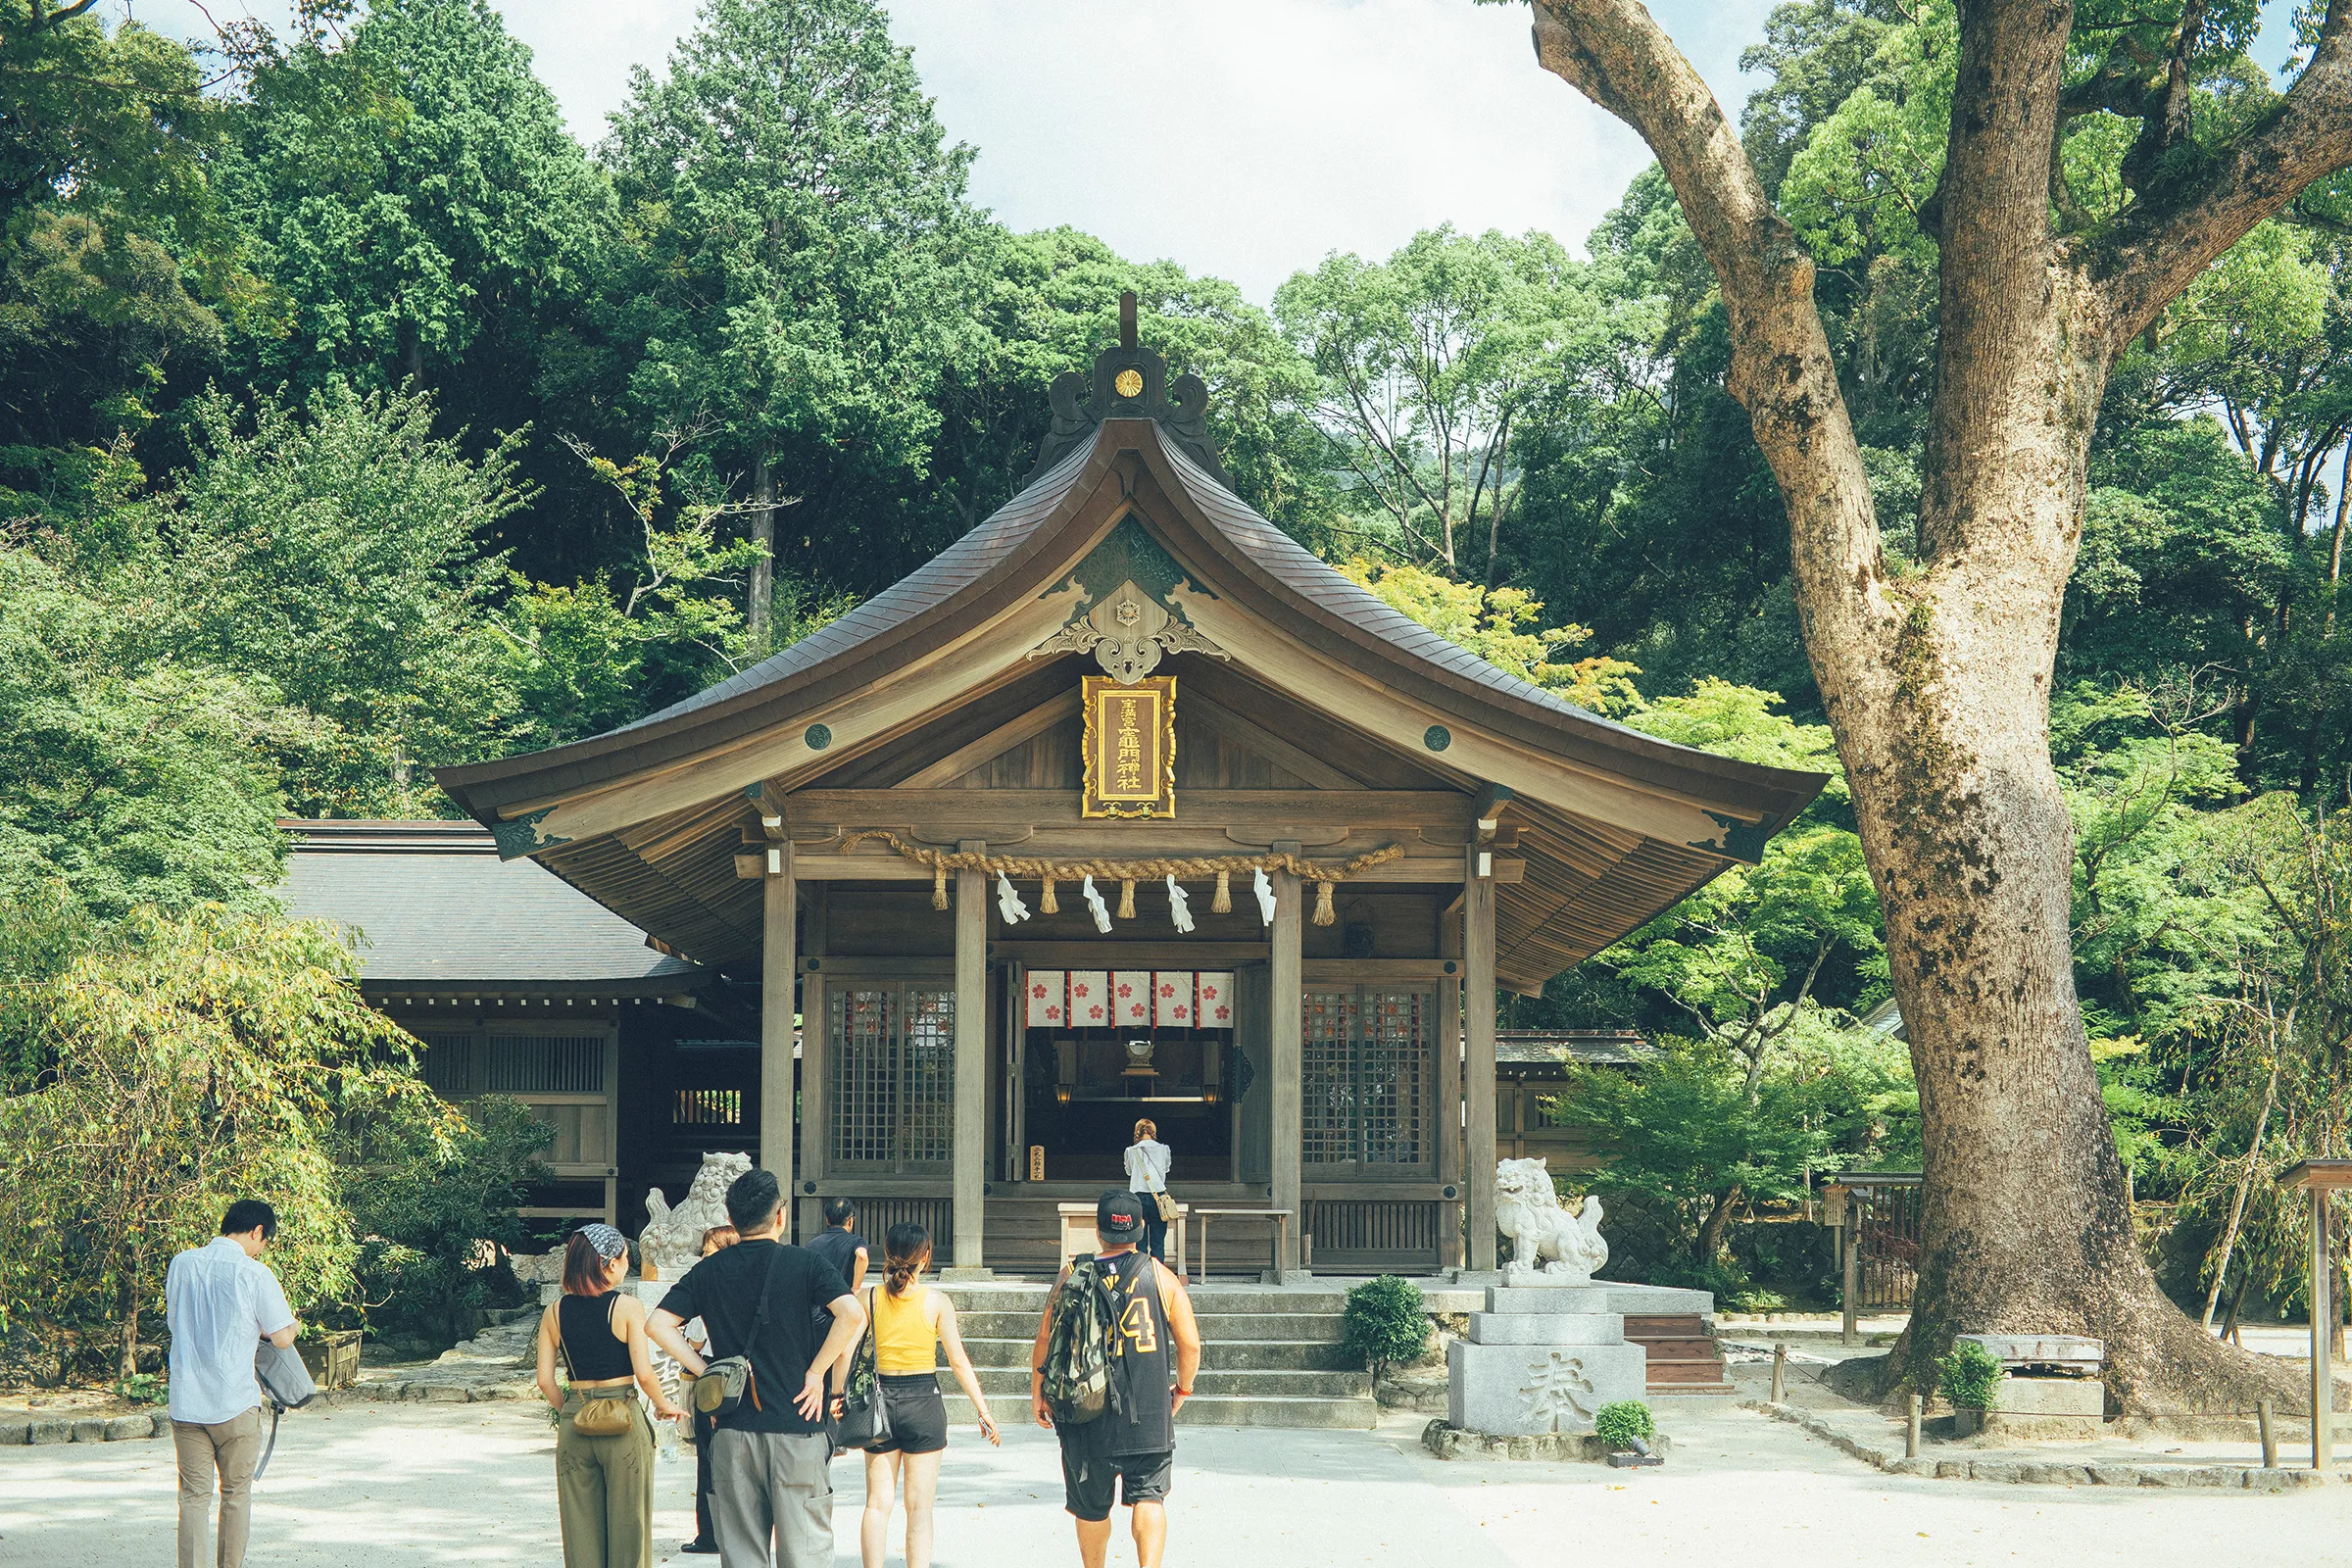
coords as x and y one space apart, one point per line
1386 1323
1970 1378
1620 1424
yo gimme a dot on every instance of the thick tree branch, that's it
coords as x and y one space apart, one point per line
1781 372
2159 244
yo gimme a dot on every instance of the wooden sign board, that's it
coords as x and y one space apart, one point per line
1130 748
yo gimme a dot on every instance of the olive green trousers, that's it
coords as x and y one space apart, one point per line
604 1492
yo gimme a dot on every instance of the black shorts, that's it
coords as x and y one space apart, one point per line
918 1416
1091 1482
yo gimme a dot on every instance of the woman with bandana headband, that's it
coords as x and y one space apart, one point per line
603 1484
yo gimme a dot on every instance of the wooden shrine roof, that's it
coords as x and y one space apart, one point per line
1612 825
432 906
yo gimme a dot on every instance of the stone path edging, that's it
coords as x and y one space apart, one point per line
1455 1443
2227 1477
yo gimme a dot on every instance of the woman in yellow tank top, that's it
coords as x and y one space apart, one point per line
912 1321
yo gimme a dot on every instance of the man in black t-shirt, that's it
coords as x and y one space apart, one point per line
1128 1453
840 1245
769 1457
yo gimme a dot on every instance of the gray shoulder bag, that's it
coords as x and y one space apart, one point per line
286 1383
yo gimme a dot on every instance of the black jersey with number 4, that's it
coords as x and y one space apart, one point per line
1143 1364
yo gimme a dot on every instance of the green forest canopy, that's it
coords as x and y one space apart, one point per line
354 419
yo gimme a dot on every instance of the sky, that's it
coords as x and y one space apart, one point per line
1242 138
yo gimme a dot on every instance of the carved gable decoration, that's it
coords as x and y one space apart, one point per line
1128 633
1125 619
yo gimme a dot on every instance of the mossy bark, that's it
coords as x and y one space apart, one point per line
1936 678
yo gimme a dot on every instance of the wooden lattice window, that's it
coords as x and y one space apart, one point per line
1327 1108
447 1063
1369 1070
891 1055
546 1065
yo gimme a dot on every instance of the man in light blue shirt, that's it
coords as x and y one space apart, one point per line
220 1303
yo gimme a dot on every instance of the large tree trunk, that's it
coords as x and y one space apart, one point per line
761 607
1937 679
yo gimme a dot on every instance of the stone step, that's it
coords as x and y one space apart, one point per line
1252 1383
1224 1356
1254 1299
1204 1410
1324 1327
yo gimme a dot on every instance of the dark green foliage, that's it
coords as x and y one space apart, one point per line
1385 1323
1969 1378
433 1196
1624 1422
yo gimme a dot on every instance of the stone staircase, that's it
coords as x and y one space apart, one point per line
1683 1356
1270 1357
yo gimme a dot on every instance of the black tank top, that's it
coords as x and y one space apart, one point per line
1143 1363
586 1325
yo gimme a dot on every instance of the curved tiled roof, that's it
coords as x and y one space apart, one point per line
957 567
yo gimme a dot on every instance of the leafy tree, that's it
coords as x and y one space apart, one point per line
2090 170
1687 1132
328 550
206 1057
1426 361
432 1191
127 776
414 192
587 657
1497 626
789 282
1745 958
117 261
1049 302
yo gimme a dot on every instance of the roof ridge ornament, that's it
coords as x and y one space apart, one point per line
1129 383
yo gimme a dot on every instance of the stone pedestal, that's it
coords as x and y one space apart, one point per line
1542 1359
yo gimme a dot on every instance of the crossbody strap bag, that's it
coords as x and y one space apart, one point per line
606 1414
728 1381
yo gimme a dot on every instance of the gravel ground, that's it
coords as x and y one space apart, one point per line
402 1484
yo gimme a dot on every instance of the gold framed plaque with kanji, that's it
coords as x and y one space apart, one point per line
1130 746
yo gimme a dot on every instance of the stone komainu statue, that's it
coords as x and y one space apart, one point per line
672 1239
1549 1245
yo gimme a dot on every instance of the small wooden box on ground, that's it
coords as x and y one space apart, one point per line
333 1358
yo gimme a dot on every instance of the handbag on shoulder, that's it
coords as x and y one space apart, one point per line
607 1414
727 1382
865 1417
1167 1205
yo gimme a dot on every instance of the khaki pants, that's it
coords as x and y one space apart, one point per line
230 1449
773 1490
604 1492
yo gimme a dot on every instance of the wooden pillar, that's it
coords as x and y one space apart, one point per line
2323 1311
1478 1056
815 1061
779 965
972 1067
1450 1093
1286 1062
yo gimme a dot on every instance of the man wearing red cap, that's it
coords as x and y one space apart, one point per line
1129 1452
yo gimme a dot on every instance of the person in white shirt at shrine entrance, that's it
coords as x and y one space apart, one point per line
221 1303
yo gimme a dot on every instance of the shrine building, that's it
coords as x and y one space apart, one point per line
1126 805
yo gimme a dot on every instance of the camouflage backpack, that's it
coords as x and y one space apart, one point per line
1077 1372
